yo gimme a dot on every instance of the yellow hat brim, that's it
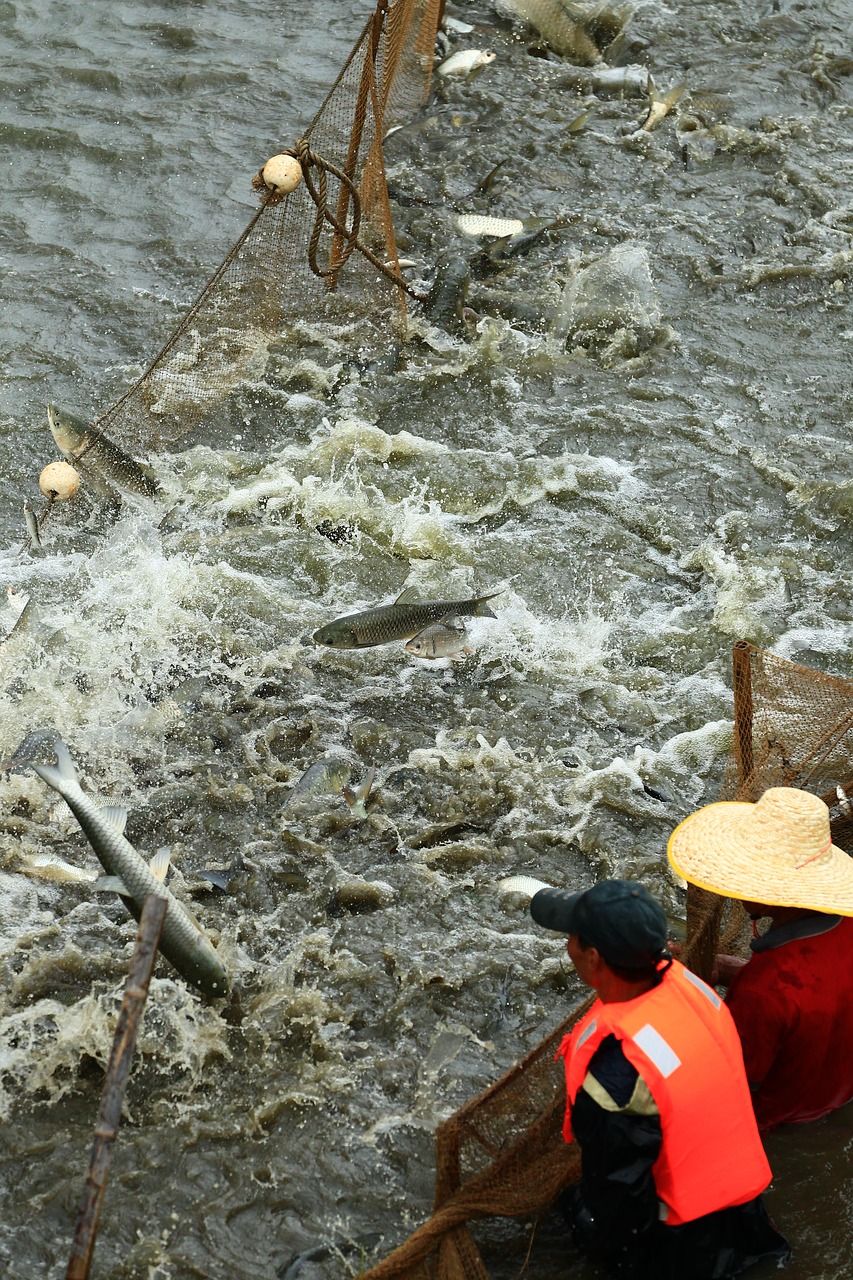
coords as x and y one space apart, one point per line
711 850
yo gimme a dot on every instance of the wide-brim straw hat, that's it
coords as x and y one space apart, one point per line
777 851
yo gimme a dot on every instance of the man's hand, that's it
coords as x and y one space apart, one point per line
725 968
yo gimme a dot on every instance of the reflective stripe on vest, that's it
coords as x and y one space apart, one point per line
681 1038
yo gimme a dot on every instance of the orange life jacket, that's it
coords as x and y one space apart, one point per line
682 1040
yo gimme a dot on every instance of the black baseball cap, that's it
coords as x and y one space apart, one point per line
620 918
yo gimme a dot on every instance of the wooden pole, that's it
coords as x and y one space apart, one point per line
109 1112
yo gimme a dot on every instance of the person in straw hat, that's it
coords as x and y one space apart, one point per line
791 1000
672 1165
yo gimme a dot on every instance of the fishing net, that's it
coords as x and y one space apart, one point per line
503 1153
324 252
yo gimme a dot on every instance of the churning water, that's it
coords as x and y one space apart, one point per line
652 465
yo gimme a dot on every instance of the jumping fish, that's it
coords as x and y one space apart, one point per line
406 617
84 445
526 885
324 776
660 105
31 521
443 639
357 797
445 302
467 62
182 941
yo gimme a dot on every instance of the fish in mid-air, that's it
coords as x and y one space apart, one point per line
322 777
357 797
31 521
660 105
529 886
85 445
467 62
446 638
408 615
182 940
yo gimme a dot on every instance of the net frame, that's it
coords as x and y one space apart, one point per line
793 726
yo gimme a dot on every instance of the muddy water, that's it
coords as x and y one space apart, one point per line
647 486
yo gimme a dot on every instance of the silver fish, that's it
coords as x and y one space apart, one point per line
467 62
27 749
84 445
182 941
324 776
32 524
47 866
660 105
398 621
443 639
357 798
526 885
843 800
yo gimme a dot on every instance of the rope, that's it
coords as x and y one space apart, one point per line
311 160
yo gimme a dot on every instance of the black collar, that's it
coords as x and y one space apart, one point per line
804 927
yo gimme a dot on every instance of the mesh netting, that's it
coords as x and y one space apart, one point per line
503 1152
323 253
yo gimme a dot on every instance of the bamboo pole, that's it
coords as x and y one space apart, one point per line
109 1112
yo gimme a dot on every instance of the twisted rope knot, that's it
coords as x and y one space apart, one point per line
315 171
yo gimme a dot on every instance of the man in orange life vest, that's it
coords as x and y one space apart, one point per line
791 1002
672 1166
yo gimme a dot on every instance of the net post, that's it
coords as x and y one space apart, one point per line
112 1096
742 682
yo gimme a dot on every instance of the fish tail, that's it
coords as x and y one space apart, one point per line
481 609
62 776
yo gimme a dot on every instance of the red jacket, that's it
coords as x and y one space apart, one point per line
793 1007
682 1040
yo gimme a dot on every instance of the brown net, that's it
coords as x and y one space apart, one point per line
503 1153
325 252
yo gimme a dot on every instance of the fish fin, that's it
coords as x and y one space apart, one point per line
62 774
672 95
349 795
110 884
407 595
481 609
116 816
160 863
363 791
453 622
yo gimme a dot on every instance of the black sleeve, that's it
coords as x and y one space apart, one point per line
615 1206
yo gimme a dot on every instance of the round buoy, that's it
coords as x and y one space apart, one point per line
282 173
59 480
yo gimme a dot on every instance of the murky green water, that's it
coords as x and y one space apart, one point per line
645 502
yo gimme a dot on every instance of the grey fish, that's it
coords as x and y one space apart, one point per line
28 630
27 749
32 524
660 105
445 302
182 941
326 775
446 638
401 620
84 445
357 798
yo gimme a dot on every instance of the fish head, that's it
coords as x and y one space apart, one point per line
68 432
422 646
336 635
213 980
